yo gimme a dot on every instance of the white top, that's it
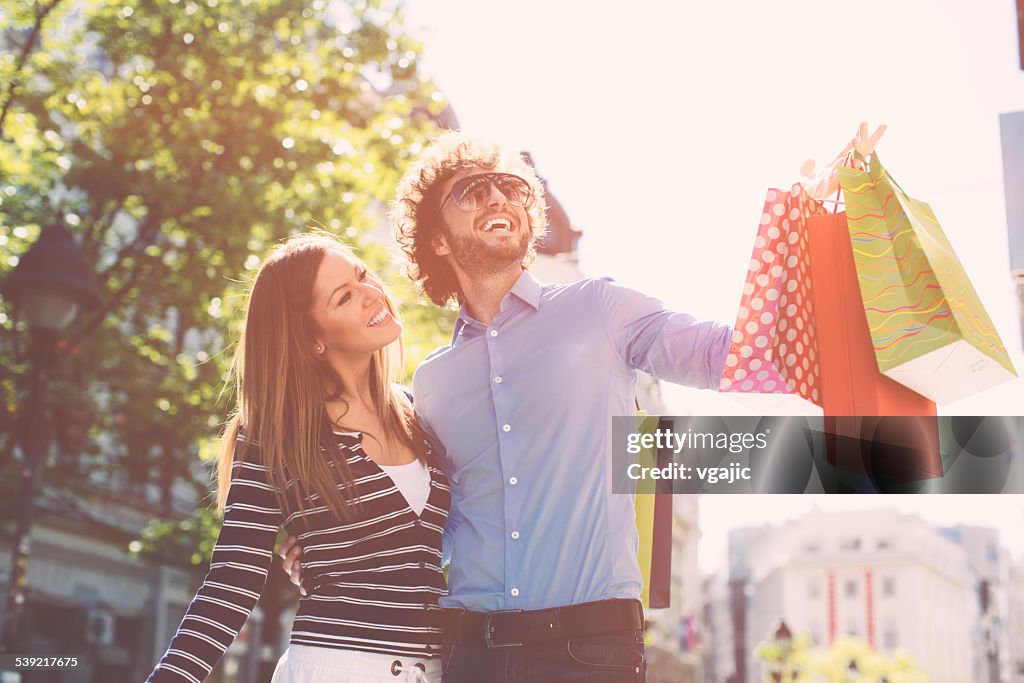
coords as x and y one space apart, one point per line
413 481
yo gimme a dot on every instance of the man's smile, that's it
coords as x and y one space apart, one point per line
498 223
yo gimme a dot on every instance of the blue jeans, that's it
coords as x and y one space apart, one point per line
612 658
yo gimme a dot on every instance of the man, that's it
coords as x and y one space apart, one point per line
544 583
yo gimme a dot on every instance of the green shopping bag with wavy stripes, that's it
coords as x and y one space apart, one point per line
929 329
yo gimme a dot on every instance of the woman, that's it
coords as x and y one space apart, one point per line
325 445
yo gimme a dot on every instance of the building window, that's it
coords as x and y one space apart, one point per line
850 543
888 586
811 547
890 641
813 590
853 629
884 543
850 588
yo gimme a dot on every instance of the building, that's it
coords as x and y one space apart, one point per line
1015 622
945 596
88 595
717 646
990 571
1012 133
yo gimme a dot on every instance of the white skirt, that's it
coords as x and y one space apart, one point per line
307 664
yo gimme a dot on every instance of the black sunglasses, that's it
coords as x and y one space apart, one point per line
472 192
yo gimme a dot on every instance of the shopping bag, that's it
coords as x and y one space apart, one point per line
851 383
800 327
853 391
654 524
817 339
929 330
773 348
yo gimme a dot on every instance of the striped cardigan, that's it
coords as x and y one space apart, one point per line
372 583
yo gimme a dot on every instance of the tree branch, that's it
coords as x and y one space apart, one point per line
41 13
148 231
113 302
100 222
149 228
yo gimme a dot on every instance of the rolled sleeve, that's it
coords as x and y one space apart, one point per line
671 346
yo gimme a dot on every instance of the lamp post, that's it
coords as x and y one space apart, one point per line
48 286
783 671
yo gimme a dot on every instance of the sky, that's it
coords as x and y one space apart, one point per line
660 125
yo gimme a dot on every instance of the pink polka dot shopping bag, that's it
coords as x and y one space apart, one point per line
774 349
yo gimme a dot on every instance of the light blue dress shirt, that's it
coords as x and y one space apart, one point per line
523 408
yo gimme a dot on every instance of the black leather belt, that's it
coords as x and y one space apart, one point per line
512 628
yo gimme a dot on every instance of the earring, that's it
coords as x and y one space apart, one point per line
319 348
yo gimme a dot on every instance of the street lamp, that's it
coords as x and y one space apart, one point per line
48 286
783 636
783 672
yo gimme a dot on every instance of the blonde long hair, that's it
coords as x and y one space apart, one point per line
282 387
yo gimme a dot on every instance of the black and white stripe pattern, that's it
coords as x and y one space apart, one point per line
372 584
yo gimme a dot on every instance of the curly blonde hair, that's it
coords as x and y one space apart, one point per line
415 212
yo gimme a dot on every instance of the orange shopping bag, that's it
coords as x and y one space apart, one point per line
855 395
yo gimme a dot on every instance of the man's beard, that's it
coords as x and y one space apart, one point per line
478 258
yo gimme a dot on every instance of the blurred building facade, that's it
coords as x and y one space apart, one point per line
718 630
949 597
1015 623
1011 126
89 596
991 569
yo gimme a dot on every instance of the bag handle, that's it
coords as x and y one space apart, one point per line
873 159
827 176
847 162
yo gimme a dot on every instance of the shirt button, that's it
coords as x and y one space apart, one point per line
506 428
515 535
494 333
513 480
514 592
497 380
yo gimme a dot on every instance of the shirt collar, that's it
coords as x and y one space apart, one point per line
526 288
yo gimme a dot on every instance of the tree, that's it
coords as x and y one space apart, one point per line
803 663
179 139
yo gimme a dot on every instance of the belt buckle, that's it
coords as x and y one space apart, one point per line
489 630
